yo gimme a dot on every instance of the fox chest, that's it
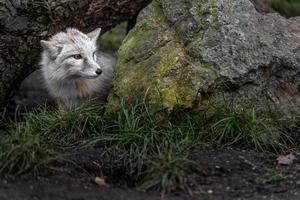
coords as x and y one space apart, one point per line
77 90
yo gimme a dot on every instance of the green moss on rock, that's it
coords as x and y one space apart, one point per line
180 51
113 38
153 60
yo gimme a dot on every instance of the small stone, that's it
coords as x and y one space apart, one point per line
286 159
44 33
100 182
210 191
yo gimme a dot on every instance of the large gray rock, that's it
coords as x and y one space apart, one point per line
181 51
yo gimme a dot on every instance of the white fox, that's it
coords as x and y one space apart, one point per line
74 70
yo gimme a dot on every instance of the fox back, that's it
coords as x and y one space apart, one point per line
74 70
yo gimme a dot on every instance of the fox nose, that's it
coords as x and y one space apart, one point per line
99 71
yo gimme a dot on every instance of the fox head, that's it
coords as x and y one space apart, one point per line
71 54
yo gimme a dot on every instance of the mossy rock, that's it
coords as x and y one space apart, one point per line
153 63
180 51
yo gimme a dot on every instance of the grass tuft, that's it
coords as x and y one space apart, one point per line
157 142
2 120
20 152
273 177
167 171
61 128
242 125
35 141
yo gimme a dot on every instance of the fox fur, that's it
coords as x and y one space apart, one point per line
74 70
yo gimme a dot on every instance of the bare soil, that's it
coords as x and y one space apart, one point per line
223 174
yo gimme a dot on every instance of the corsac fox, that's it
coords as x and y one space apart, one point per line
74 70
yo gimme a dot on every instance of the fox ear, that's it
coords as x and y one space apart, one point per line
52 47
94 34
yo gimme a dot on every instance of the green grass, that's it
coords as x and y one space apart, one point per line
61 128
289 8
37 140
273 177
147 136
20 152
241 125
157 141
156 146
167 170
2 120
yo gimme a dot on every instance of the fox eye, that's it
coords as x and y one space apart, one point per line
77 56
94 56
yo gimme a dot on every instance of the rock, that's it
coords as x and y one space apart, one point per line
263 5
181 51
100 182
286 159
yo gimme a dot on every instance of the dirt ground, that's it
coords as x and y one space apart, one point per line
224 174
